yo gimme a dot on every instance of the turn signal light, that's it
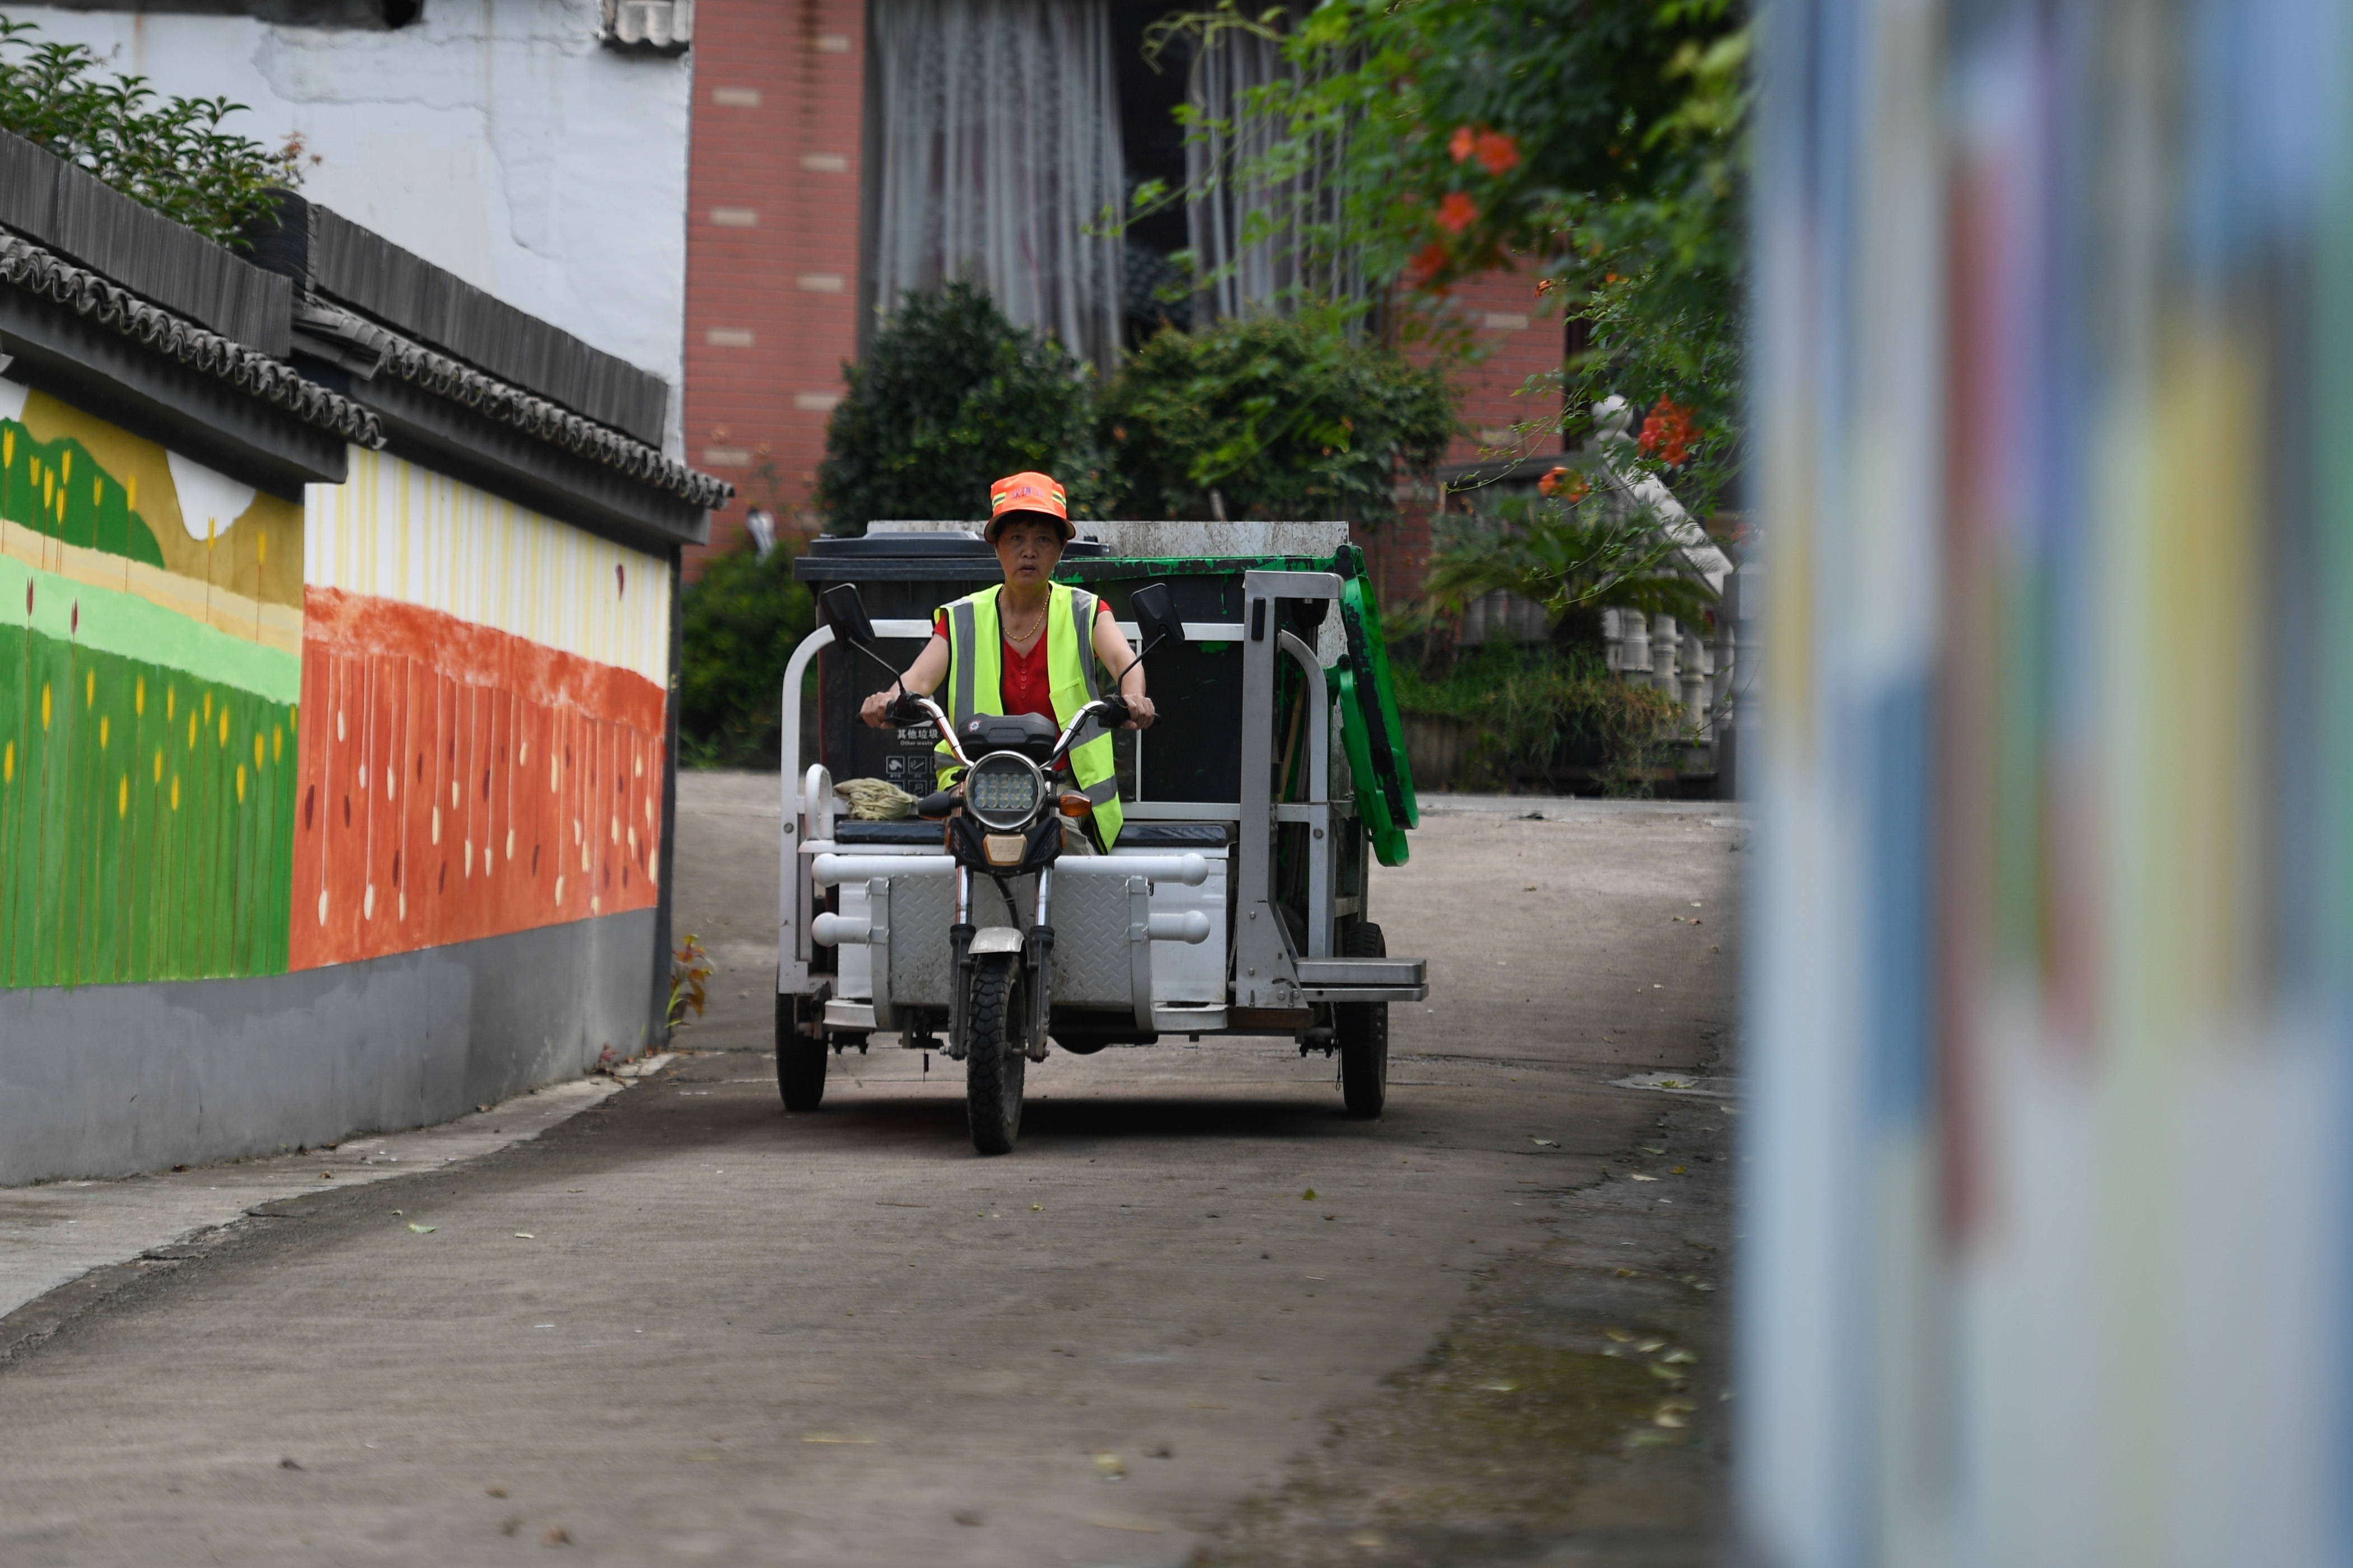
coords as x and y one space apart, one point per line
1004 848
1077 806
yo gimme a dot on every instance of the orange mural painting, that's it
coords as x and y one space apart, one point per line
459 782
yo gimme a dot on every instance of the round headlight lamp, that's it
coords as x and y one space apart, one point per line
1004 789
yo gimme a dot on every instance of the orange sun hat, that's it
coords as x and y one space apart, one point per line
1028 492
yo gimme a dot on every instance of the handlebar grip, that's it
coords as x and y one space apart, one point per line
904 709
937 804
1114 712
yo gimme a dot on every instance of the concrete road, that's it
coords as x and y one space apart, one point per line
686 1326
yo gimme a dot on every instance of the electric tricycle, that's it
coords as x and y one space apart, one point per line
973 929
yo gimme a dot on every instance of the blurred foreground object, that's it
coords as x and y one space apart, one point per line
2048 1139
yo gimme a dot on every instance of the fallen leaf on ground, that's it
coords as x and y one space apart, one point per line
1624 1336
557 1536
1110 1467
1641 1178
525 1235
423 1229
1624 1274
1647 1438
835 1438
1543 1143
1679 1356
1308 1196
1500 1387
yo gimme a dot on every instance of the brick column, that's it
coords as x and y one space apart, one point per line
772 246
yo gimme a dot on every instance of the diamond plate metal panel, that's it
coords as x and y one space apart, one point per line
1090 915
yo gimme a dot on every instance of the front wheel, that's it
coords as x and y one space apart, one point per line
995 1063
1362 1029
800 1050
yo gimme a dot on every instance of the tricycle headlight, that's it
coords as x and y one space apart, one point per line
1003 791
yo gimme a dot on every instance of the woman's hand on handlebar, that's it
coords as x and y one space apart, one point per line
876 710
1140 713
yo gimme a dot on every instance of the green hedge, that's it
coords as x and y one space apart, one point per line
1539 708
742 619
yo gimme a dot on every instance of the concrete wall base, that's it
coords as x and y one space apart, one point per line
110 1080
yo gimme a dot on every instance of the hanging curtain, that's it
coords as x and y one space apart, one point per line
1000 147
1297 254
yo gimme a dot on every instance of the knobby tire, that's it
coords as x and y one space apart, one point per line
1362 1029
996 1062
800 1056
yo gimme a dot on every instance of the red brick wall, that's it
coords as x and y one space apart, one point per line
773 261
1500 310
772 246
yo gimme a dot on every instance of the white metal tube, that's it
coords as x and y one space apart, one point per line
828 870
1190 926
832 929
1192 870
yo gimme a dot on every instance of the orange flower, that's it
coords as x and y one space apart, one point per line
1427 263
1497 154
1667 431
1457 212
1564 482
1464 143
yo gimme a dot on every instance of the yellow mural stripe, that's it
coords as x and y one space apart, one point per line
397 531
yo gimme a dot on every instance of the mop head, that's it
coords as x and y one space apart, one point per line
875 800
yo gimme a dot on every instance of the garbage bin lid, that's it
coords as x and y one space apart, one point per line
952 554
1374 732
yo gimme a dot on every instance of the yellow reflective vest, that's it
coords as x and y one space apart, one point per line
975 684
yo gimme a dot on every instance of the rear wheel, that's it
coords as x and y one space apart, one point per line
995 1063
1362 1029
800 1050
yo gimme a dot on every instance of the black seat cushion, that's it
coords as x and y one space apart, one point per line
848 830
1173 836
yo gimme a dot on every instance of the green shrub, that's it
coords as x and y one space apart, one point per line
950 398
1538 710
742 619
1573 553
1284 418
168 152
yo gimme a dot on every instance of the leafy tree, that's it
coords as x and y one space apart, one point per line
1277 418
170 153
742 619
951 398
1600 145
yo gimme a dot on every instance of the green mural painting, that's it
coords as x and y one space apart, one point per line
37 491
149 676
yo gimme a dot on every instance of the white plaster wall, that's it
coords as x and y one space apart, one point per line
495 138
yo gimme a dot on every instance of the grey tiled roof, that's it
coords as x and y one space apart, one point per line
492 398
42 272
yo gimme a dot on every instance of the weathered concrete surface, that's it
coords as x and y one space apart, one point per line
110 1080
736 1335
56 1232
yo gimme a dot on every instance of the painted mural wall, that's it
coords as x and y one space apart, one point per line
2049 1044
151 656
486 687
240 735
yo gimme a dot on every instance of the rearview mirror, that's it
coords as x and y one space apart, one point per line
1155 615
846 615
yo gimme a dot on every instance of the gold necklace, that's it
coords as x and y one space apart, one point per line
1013 637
